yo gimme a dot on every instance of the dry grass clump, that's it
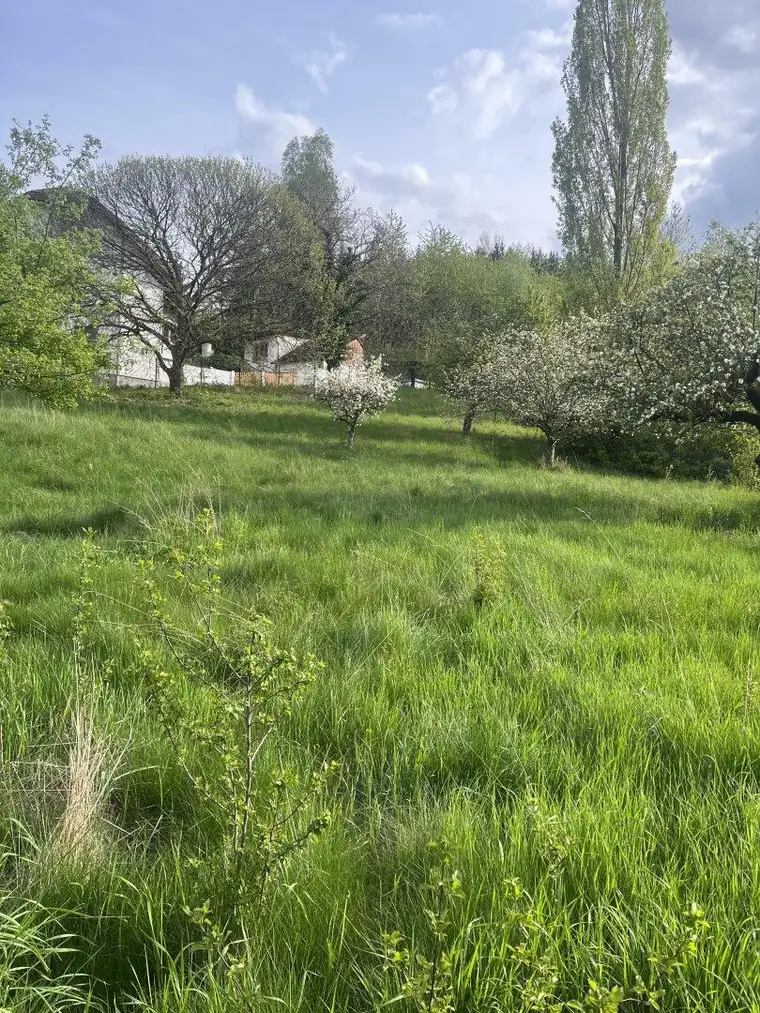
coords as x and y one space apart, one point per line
79 833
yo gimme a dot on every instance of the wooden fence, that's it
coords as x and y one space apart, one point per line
263 378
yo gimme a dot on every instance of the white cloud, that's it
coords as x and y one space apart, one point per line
744 37
714 112
505 101
407 22
482 91
276 125
454 199
442 99
412 180
683 68
321 65
550 38
711 116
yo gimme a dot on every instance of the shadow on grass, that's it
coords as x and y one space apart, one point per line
249 415
290 420
378 443
415 507
315 434
289 423
468 505
110 520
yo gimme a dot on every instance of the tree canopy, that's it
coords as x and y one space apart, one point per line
49 306
689 353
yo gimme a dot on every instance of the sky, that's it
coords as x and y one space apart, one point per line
441 112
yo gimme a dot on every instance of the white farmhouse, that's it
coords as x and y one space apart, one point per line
288 361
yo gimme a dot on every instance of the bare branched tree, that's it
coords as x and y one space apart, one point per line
180 230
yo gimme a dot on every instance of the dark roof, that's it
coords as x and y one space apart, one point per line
75 208
301 353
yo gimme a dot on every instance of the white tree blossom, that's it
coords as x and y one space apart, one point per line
356 391
470 387
690 352
549 381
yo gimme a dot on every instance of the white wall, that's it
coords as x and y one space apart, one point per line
195 375
276 347
135 365
307 373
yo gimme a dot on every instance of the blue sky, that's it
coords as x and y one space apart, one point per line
440 111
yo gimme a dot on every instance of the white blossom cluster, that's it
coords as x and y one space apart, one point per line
470 386
549 381
356 391
686 353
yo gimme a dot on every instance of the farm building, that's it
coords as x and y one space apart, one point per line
289 361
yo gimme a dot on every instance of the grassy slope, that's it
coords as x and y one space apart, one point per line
606 676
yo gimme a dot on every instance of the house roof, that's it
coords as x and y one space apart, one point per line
77 208
85 209
305 351
302 352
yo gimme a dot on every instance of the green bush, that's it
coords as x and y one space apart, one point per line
726 453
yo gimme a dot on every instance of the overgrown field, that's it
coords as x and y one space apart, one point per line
555 673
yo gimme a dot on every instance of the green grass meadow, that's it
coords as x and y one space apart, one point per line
555 672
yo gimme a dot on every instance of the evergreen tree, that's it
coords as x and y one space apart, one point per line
613 167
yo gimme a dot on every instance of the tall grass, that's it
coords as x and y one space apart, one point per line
555 672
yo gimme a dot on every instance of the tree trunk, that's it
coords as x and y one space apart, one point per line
620 206
176 377
412 375
551 452
351 435
467 423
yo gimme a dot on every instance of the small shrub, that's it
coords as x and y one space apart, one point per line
489 565
426 980
221 688
518 951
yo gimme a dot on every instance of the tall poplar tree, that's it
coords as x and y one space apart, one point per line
352 239
613 166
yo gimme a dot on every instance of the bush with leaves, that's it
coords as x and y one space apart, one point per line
47 303
704 452
221 689
426 981
516 938
354 392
